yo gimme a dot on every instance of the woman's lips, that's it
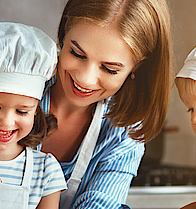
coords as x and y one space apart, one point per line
81 92
81 89
6 136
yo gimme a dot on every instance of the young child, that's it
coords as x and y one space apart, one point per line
28 178
186 84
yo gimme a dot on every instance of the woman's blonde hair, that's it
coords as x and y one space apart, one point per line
145 27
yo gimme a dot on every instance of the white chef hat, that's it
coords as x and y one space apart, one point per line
28 58
189 68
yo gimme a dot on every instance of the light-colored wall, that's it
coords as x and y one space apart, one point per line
44 14
179 147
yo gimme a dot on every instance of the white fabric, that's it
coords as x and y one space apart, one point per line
47 176
17 197
83 159
189 68
28 59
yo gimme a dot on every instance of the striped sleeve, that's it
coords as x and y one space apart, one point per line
110 182
53 175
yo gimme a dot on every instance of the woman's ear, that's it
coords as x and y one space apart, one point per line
132 75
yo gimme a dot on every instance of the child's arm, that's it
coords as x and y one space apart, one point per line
190 206
50 201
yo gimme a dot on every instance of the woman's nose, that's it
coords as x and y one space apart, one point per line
89 75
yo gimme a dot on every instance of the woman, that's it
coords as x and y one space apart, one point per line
110 94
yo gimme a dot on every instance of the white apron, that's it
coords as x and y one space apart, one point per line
17 197
84 158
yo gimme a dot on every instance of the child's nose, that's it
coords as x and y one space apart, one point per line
6 119
193 118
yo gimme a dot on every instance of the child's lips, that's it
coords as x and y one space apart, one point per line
6 136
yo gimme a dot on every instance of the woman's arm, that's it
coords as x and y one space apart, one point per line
108 186
50 201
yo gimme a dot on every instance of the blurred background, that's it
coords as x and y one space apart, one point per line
44 14
180 146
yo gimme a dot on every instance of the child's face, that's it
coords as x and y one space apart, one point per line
16 119
190 101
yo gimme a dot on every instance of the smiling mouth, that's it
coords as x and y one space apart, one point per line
6 136
81 89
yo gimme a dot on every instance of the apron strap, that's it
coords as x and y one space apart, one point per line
88 144
84 157
28 168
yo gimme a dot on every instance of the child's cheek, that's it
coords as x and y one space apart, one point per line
194 127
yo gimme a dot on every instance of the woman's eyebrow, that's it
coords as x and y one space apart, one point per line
77 45
115 63
108 63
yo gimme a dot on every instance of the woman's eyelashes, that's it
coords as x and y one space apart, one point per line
102 65
77 55
108 70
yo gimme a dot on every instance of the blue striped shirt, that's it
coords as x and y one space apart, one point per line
47 177
114 163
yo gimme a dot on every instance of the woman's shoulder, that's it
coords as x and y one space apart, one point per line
116 139
45 101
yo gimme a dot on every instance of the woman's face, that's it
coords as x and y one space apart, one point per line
93 64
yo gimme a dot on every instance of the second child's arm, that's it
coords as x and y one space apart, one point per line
190 206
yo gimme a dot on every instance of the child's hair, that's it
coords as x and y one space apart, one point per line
43 126
145 27
186 78
185 86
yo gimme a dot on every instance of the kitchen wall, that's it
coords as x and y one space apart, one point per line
44 14
180 146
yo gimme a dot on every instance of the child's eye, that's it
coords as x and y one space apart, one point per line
77 55
108 70
190 110
22 112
